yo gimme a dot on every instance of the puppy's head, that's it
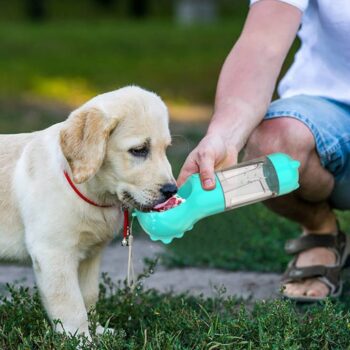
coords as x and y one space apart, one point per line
119 141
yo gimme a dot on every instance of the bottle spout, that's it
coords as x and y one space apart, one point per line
173 223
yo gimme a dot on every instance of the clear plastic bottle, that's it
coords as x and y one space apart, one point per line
249 182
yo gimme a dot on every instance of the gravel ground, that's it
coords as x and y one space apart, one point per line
247 285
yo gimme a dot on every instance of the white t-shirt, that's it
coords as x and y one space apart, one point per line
322 65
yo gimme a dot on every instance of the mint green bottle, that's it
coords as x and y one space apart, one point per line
249 182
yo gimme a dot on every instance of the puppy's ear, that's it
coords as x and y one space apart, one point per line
84 140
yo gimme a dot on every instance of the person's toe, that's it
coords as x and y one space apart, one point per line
310 288
295 289
317 289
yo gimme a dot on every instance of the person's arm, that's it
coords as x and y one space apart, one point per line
245 87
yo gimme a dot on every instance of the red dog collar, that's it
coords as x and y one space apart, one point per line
126 228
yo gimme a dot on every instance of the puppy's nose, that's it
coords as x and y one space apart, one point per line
168 190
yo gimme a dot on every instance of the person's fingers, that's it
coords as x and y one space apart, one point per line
206 163
228 161
190 167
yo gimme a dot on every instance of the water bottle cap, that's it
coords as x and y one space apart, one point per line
287 172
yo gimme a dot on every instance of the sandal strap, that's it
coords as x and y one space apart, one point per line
329 273
312 240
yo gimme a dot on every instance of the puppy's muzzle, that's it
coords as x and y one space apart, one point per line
168 190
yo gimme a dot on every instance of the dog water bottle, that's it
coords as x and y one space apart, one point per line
246 183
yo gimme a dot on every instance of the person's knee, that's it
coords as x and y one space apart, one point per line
284 135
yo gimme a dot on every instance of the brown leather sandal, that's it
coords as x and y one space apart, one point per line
330 275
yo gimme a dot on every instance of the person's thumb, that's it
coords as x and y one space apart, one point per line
206 172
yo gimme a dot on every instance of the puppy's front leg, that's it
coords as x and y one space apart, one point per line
56 272
89 270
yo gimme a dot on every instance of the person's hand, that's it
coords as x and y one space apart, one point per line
212 153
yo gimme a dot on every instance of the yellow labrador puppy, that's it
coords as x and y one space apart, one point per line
113 149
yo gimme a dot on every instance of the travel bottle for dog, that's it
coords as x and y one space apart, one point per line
245 183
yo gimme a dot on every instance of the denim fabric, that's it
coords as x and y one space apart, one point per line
329 122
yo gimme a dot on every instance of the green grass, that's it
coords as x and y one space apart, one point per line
64 59
70 61
150 320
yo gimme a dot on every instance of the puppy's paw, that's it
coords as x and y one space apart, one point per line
104 330
73 331
84 343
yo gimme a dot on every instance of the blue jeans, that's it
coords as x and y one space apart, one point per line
329 122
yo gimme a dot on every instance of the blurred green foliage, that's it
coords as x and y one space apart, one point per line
107 9
71 61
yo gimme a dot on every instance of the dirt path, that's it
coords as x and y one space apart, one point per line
195 280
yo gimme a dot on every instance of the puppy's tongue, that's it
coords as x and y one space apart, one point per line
172 202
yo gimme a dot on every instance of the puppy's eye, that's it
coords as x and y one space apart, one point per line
140 151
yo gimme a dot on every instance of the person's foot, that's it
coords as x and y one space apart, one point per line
311 287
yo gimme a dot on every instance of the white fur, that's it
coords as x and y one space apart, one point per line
42 218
